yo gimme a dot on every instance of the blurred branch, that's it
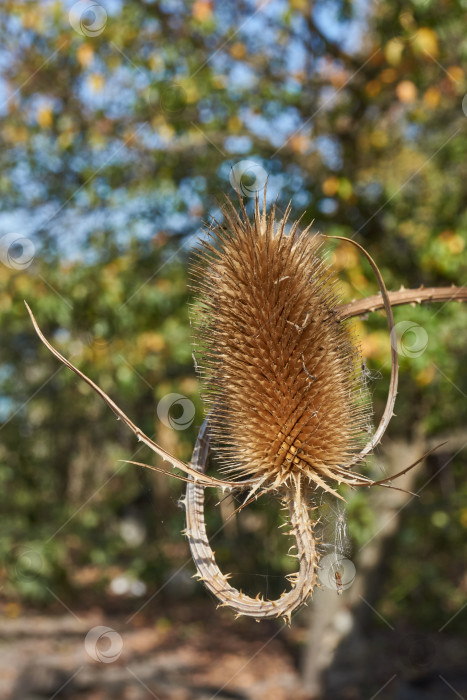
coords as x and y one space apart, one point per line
334 49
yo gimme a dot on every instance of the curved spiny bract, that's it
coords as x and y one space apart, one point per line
208 571
279 368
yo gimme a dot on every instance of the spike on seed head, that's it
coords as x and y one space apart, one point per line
279 370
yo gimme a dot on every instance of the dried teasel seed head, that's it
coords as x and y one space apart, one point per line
280 371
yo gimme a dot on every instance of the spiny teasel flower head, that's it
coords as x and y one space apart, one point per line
279 370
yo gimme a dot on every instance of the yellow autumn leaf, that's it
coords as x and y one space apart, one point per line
358 326
357 278
96 140
426 41
85 55
66 139
238 50
234 124
15 134
298 143
388 75
219 82
345 188
6 301
157 121
432 97
425 376
407 21
150 342
100 348
457 77
45 116
300 5
95 82
393 51
113 62
348 293
195 137
166 132
418 232
33 18
190 91
330 186
345 257
202 10
379 138
455 73
62 41
453 242
156 62
456 245
129 136
374 345
189 385
373 88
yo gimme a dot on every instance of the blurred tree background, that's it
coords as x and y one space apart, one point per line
121 126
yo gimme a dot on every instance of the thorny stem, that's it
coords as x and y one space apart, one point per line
208 571
403 296
303 582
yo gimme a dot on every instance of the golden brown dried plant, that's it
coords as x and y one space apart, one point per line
287 413
281 372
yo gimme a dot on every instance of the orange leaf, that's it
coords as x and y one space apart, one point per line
406 91
202 10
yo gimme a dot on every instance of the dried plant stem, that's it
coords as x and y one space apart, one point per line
208 571
389 408
141 436
403 296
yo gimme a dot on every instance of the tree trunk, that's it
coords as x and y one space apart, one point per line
336 658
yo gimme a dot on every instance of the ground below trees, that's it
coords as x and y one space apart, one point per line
190 651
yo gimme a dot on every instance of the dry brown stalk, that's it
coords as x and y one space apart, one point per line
280 370
422 295
217 582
